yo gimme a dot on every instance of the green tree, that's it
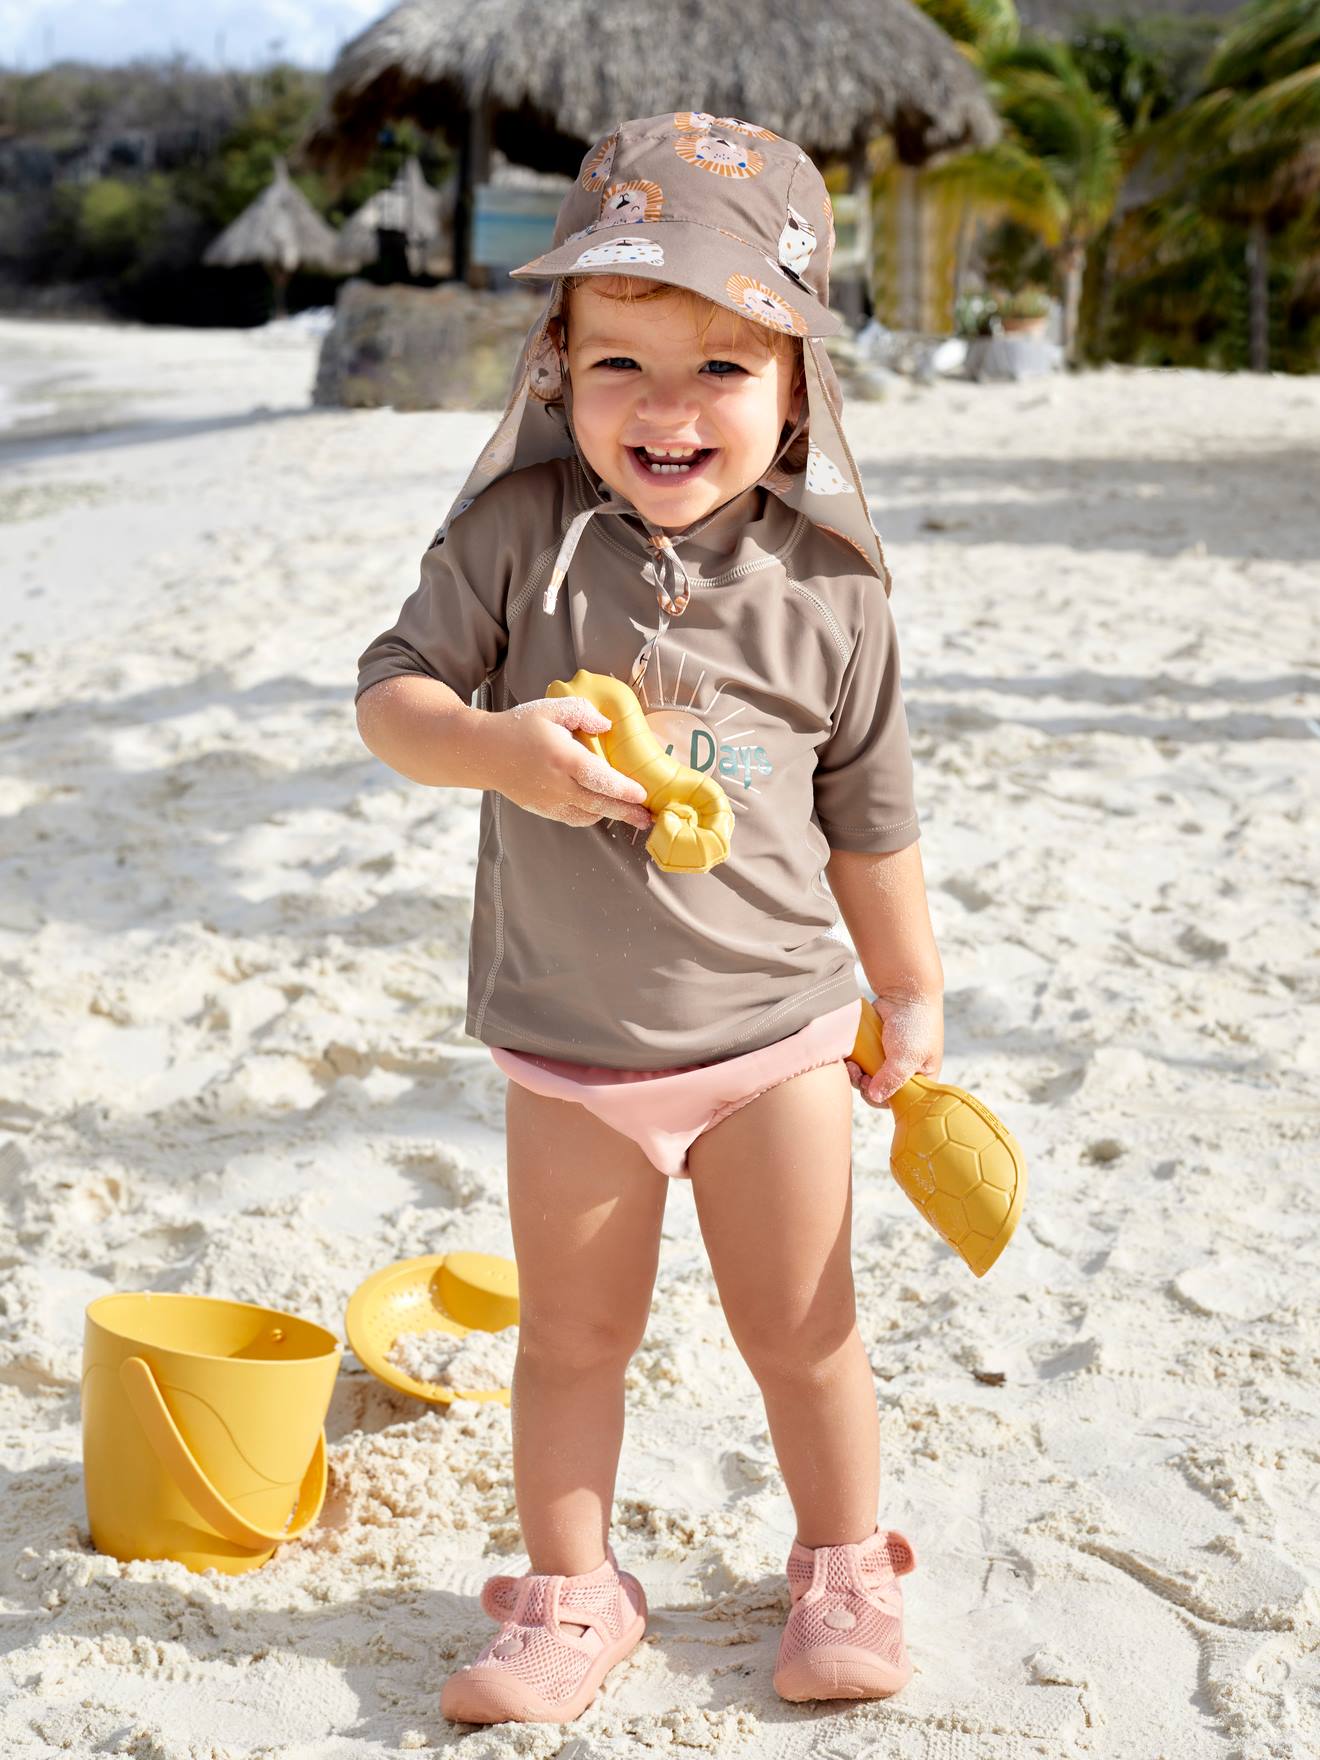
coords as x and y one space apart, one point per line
1245 149
1058 168
986 26
1142 69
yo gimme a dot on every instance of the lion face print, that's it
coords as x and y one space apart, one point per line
823 476
498 456
756 300
596 171
796 243
621 250
631 204
700 121
721 154
544 376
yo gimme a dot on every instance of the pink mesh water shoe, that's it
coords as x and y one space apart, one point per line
558 1639
844 1637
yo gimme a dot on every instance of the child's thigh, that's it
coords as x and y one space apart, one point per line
585 1207
772 1184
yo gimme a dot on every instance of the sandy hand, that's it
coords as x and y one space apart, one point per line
912 1033
544 770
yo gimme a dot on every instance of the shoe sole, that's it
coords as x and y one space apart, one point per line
475 1696
840 1673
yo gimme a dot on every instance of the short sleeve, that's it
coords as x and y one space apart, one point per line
863 778
454 627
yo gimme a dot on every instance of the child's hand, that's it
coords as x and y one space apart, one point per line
543 769
912 1034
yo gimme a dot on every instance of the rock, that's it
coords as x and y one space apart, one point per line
448 347
862 375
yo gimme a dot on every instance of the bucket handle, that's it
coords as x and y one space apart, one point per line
174 1454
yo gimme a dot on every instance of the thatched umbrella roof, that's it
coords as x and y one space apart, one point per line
410 205
280 228
551 77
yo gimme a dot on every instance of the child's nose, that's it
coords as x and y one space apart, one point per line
668 404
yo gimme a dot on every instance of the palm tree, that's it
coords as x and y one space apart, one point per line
1142 71
984 26
1058 168
1246 147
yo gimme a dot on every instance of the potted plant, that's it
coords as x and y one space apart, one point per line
974 315
1025 311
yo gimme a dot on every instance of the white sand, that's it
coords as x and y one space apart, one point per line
232 962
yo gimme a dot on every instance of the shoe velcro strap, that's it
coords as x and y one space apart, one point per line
582 1606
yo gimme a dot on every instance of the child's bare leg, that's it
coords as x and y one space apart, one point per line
773 1190
585 1207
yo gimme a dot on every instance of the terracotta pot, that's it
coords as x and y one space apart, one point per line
1026 326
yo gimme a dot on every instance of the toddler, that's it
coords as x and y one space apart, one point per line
669 498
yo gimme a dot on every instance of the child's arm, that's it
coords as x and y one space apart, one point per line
425 731
882 900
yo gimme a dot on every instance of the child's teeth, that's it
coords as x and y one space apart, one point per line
679 460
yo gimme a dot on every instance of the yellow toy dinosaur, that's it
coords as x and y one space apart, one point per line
693 818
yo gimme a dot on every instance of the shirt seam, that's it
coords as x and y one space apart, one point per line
889 825
497 957
836 628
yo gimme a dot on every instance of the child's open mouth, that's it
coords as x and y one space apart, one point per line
671 464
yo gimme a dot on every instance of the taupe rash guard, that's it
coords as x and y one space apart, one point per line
781 676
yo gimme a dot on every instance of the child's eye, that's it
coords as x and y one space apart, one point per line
732 366
616 361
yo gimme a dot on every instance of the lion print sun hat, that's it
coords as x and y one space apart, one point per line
723 208
741 217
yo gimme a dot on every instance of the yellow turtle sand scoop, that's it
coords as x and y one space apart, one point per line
202 1428
961 1166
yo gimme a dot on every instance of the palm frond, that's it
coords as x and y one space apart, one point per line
1009 179
984 25
1289 109
1054 114
1266 41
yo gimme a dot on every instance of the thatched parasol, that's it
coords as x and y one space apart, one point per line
422 214
281 229
540 81
551 77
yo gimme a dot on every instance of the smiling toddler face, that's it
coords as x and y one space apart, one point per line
678 404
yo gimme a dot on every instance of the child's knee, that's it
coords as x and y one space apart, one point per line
780 1350
577 1344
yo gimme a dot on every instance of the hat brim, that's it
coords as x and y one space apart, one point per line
700 258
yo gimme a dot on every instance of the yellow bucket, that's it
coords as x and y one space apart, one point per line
203 1435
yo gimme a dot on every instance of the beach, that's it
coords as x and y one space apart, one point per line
233 954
